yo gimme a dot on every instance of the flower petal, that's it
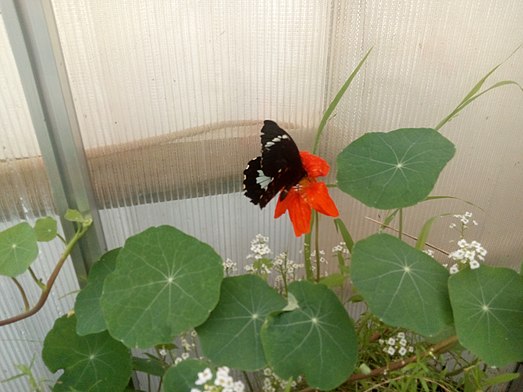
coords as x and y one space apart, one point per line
299 211
314 165
317 196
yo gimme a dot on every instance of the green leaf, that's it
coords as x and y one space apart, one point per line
335 279
402 286
342 229
45 229
488 310
87 305
231 334
74 216
500 379
316 340
90 363
395 169
165 282
18 249
152 366
335 102
182 377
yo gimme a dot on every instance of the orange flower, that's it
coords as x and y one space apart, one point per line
308 194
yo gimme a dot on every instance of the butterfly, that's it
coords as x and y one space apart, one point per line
278 168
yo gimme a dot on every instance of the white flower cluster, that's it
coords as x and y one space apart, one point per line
464 219
223 382
229 266
285 266
468 253
323 260
259 247
341 248
260 255
188 346
396 345
272 383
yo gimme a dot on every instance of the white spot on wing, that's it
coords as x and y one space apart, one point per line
262 180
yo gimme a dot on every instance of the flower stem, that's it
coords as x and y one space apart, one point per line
317 245
307 254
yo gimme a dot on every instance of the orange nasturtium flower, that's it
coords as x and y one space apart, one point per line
306 195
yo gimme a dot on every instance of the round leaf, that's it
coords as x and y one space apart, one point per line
182 377
402 285
87 305
90 363
395 169
488 309
231 335
18 249
165 283
316 339
45 229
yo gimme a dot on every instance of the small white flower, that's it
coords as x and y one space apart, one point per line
402 351
474 264
403 342
204 376
391 341
454 269
391 350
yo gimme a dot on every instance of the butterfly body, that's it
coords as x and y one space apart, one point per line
279 167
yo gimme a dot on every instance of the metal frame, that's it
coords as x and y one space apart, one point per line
32 32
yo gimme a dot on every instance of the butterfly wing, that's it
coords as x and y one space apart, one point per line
279 166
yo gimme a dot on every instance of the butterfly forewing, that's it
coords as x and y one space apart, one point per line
279 166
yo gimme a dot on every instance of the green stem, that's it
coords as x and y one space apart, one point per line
36 279
284 276
22 293
317 245
307 254
52 278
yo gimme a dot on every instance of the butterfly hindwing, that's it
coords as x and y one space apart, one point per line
279 166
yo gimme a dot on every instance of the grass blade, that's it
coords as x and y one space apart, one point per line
342 229
335 102
473 93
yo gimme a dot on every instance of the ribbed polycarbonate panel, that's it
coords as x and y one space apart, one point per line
170 96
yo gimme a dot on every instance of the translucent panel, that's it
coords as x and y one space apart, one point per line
426 56
25 195
171 98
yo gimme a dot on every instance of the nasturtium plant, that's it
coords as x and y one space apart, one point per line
395 169
488 308
87 306
165 283
45 229
18 249
94 362
314 338
231 334
402 285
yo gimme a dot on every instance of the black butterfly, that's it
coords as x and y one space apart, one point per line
278 168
